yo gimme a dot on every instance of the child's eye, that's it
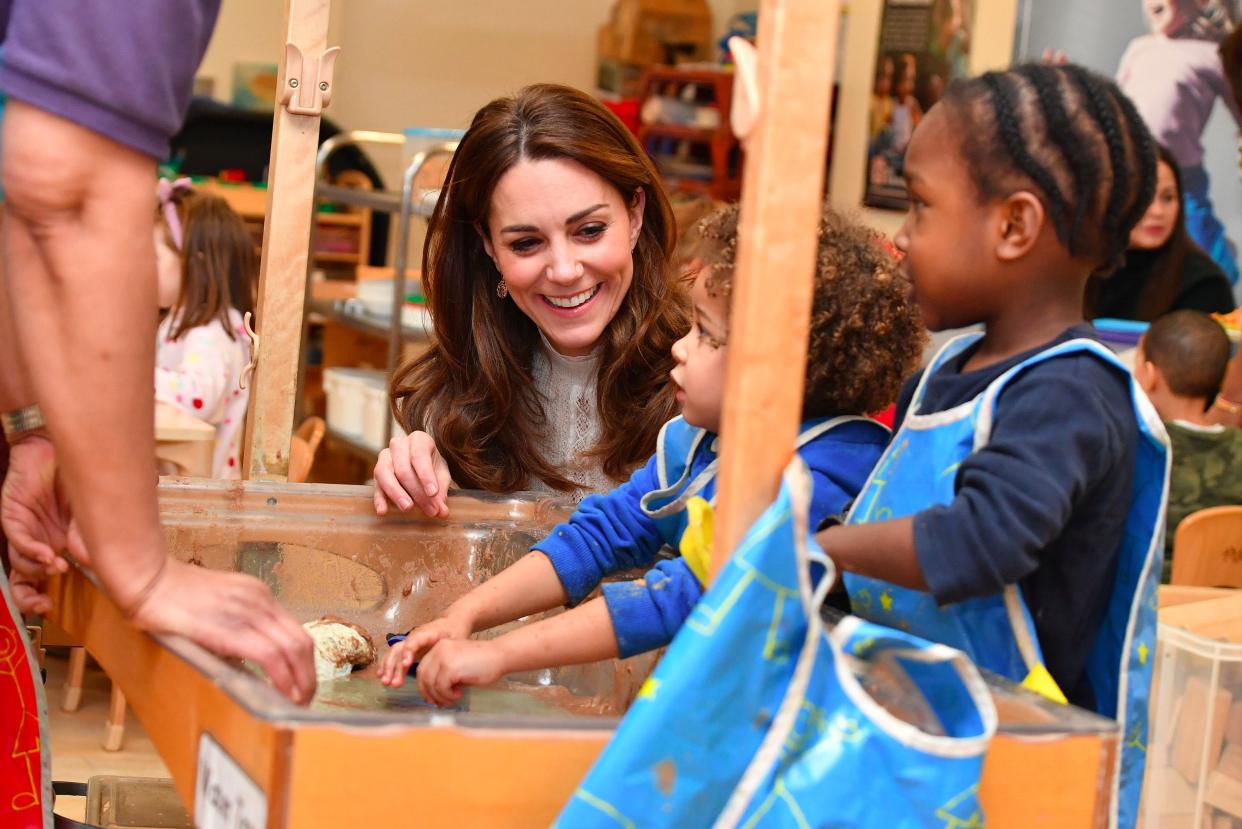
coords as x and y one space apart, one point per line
593 231
711 341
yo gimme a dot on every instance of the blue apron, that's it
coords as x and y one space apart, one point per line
918 470
675 450
758 717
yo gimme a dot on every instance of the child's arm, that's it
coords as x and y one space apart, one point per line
607 534
1061 438
883 550
583 634
530 585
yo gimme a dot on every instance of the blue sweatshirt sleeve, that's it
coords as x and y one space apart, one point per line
646 614
607 533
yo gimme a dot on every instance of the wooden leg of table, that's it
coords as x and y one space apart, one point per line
114 731
73 680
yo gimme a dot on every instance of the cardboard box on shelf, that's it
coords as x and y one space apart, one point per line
648 32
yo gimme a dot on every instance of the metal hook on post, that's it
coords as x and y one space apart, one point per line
248 371
308 81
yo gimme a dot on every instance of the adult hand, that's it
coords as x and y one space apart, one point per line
231 614
401 656
455 663
412 471
36 520
1053 57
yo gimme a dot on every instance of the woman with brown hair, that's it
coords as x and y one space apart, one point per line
547 273
1164 269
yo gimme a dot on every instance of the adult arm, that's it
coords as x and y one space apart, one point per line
78 245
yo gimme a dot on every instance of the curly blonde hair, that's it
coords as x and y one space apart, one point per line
866 335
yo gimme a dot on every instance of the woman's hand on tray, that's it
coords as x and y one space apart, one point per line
401 656
235 615
412 471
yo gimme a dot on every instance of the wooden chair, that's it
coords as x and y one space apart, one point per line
302 447
1207 549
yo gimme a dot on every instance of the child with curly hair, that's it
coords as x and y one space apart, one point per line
865 337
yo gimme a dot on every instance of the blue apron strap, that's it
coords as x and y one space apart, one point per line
676 446
947 352
651 502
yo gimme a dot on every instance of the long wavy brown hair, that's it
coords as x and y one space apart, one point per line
218 263
473 389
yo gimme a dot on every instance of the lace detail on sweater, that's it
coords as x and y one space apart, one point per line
566 386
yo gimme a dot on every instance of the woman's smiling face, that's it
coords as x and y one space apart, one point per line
562 237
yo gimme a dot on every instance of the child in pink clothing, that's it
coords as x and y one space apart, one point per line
206 266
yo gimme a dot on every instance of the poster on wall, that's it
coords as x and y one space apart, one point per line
924 44
1164 55
254 86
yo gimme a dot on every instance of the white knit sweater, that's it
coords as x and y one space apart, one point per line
567 387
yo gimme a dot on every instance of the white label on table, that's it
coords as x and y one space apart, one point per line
224 796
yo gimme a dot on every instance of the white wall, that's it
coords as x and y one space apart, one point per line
251 31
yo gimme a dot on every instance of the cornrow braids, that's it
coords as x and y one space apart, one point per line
1062 133
1068 135
1009 124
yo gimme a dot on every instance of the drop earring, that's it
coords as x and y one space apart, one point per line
502 290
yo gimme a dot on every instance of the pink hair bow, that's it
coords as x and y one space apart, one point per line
165 190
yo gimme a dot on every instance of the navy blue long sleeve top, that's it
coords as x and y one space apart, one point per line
1043 504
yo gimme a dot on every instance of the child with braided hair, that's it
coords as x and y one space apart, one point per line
1017 513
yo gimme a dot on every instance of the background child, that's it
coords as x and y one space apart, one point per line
206 265
1018 505
864 338
1180 362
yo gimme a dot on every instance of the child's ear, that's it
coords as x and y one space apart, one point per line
1021 220
1147 374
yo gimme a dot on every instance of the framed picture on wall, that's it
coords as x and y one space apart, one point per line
924 44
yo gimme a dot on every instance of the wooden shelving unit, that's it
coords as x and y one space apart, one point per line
705 160
350 222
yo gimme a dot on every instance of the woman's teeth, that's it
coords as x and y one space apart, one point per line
572 301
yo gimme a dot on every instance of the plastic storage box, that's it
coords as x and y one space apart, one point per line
357 401
1194 757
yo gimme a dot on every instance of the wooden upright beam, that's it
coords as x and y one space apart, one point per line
286 239
782 192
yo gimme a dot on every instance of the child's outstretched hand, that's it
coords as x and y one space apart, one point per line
402 655
454 663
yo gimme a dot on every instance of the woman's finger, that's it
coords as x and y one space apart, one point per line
386 480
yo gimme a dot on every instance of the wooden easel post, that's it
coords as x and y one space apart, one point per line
286 235
782 195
